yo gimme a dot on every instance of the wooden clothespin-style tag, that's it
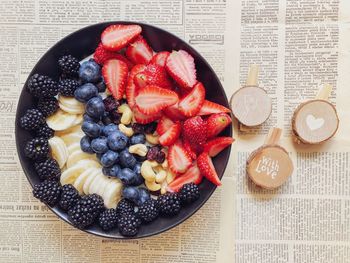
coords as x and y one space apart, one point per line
250 104
316 121
270 165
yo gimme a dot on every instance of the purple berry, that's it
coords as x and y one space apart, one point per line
110 103
150 127
138 128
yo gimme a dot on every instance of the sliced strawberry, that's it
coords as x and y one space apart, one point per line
178 159
143 118
131 88
164 124
115 37
115 73
160 58
181 68
195 132
210 107
192 175
152 99
139 52
153 75
101 55
216 123
174 113
190 150
216 145
193 101
207 168
171 135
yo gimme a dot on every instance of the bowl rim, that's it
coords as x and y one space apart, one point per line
54 209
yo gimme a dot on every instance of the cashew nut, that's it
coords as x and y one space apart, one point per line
139 149
126 114
147 171
126 130
170 176
165 164
152 139
163 188
161 176
152 186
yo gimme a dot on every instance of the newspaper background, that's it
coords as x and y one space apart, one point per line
300 45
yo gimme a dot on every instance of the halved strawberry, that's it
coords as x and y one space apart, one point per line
115 73
190 150
152 99
153 75
216 123
216 145
115 37
160 58
210 107
192 175
164 124
174 113
171 135
143 118
207 169
193 101
181 68
139 52
178 159
131 89
195 132
101 55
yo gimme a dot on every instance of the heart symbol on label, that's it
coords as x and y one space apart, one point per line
314 123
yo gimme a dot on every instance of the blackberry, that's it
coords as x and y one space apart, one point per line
150 127
138 128
125 207
69 65
48 106
86 211
149 210
37 148
189 193
129 224
169 204
67 87
42 86
48 169
45 131
110 103
32 119
69 197
47 192
108 219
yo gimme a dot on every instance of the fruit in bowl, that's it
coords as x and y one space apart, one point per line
123 138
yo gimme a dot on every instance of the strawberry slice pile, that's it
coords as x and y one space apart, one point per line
163 87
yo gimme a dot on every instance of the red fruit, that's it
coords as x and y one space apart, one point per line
143 118
216 123
102 55
139 52
164 124
190 150
160 58
210 107
131 88
115 37
207 169
171 135
216 145
115 73
174 113
153 75
193 101
181 68
178 159
152 99
192 175
195 132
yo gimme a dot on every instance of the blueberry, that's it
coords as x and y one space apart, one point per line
106 119
85 92
108 129
90 71
85 144
109 158
95 107
99 145
111 171
138 179
138 138
101 86
99 156
131 193
117 140
127 176
88 118
91 129
143 196
126 159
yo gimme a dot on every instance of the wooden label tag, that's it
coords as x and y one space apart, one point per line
316 121
250 104
270 165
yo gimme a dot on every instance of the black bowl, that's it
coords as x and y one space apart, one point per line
83 43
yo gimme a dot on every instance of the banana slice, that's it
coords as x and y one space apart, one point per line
89 180
98 185
78 120
76 128
70 105
71 138
79 182
73 147
77 156
112 193
59 150
61 120
71 174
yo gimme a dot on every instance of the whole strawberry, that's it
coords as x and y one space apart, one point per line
153 75
195 132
